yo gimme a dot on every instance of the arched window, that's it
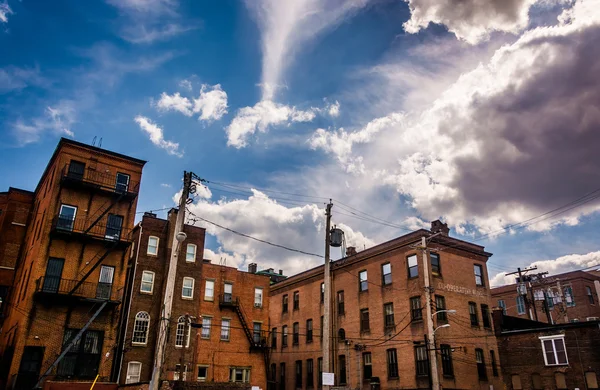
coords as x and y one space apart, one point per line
180 334
341 334
140 328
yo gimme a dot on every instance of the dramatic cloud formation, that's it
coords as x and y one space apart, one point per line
553 267
156 136
470 20
286 25
4 12
211 104
261 217
57 120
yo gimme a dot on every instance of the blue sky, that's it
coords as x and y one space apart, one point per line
484 115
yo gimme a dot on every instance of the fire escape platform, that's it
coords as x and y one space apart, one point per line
227 301
95 181
58 291
76 231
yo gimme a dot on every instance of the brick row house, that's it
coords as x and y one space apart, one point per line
568 297
378 311
69 277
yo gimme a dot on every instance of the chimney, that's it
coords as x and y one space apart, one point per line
252 267
438 226
149 214
350 251
280 272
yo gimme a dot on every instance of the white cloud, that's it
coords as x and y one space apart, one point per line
259 216
14 78
286 25
5 10
165 185
260 117
145 6
186 84
560 265
58 119
156 136
334 109
211 104
139 33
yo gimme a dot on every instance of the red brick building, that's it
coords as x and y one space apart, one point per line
70 272
378 329
536 355
234 311
572 296
149 259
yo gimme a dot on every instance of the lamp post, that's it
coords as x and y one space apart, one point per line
434 374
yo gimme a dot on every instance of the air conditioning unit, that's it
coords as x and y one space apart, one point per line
257 304
592 319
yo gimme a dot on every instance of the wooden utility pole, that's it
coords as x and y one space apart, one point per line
163 327
327 296
525 296
429 344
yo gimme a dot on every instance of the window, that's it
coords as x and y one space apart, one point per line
206 325
550 300
485 316
134 371
413 266
209 290
227 292
122 182
392 363
388 312
296 333
284 304
140 328
310 374
225 322
284 334
341 334
239 374
481 371
273 373
147 285
561 380
52 277
590 295
342 369
105 281
322 292
296 300
258 297
182 334
76 170
256 332
554 350
473 314
416 312
493 360
83 359
421 362
436 270
440 304
536 381
446 352
202 373
340 302
66 218
309 330
187 290
591 380
478 270
363 284
152 246
274 338
320 372
367 366
298 374
520 304
516 382
190 253
321 329
114 225
386 274
364 320
502 305
282 376
569 296
179 371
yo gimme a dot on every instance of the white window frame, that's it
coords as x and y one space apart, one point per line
186 341
151 283
209 320
140 320
502 305
258 292
187 251
206 289
128 379
199 378
553 339
148 252
478 267
225 330
183 288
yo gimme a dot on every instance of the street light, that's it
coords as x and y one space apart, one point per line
450 311
441 326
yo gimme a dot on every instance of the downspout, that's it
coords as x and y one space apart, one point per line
133 270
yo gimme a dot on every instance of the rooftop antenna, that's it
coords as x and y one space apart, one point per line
94 141
100 143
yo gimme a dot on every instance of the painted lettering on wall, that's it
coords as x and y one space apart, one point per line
460 289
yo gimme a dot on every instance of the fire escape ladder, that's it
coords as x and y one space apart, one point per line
100 257
240 312
113 202
68 347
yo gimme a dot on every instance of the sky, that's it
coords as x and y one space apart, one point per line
482 113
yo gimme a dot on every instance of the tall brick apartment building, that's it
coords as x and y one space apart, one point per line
234 309
378 328
568 297
71 269
149 259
